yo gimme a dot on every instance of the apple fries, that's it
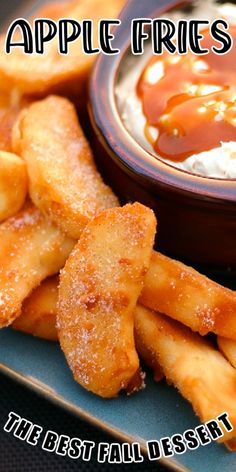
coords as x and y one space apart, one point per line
38 313
165 288
13 184
11 103
187 296
98 291
228 347
191 363
53 72
31 250
63 180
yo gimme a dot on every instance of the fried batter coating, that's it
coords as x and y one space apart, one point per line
228 347
182 293
13 184
98 291
63 180
32 248
160 284
200 372
38 313
11 103
53 72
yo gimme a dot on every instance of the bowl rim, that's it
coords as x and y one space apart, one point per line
128 153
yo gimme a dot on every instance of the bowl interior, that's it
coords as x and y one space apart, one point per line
129 106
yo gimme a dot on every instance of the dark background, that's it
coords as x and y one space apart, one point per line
17 456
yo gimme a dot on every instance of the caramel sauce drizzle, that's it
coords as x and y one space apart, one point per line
192 104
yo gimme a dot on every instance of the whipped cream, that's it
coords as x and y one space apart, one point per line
219 162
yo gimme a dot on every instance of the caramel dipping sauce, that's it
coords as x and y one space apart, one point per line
194 200
189 101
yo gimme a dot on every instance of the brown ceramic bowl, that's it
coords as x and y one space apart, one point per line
196 215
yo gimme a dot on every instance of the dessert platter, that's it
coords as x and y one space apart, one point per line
118 229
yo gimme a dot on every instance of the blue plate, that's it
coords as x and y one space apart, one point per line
153 413
156 412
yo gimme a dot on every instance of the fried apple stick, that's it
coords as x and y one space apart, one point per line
11 103
38 313
182 293
32 248
53 72
63 180
187 296
200 372
98 291
13 184
228 347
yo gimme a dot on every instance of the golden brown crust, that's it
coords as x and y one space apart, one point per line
182 293
32 248
98 291
11 103
231 445
228 347
165 288
38 313
13 184
200 372
63 180
53 72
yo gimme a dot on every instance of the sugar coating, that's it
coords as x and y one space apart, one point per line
98 291
32 248
64 182
189 297
191 363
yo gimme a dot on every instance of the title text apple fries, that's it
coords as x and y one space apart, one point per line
53 72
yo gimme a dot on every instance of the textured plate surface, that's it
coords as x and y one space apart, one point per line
155 412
